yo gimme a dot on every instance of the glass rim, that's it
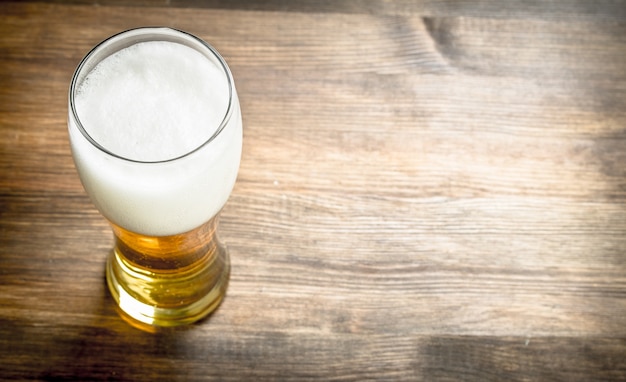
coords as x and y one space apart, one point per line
159 31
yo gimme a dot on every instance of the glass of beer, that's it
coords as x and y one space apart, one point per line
155 131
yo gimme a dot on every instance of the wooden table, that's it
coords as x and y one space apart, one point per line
428 191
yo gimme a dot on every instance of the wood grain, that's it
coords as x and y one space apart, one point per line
428 191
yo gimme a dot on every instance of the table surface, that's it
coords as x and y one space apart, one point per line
428 191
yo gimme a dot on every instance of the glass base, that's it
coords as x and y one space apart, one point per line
149 298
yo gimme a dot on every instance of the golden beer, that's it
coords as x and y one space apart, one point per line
153 278
156 134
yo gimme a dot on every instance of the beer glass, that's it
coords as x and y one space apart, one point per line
155 132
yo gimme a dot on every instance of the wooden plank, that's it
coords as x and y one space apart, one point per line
550 10
102 353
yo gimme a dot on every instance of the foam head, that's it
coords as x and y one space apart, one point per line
153 101
155 130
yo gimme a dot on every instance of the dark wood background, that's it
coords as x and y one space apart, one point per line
429 191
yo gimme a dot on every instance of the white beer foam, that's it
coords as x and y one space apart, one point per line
151 102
